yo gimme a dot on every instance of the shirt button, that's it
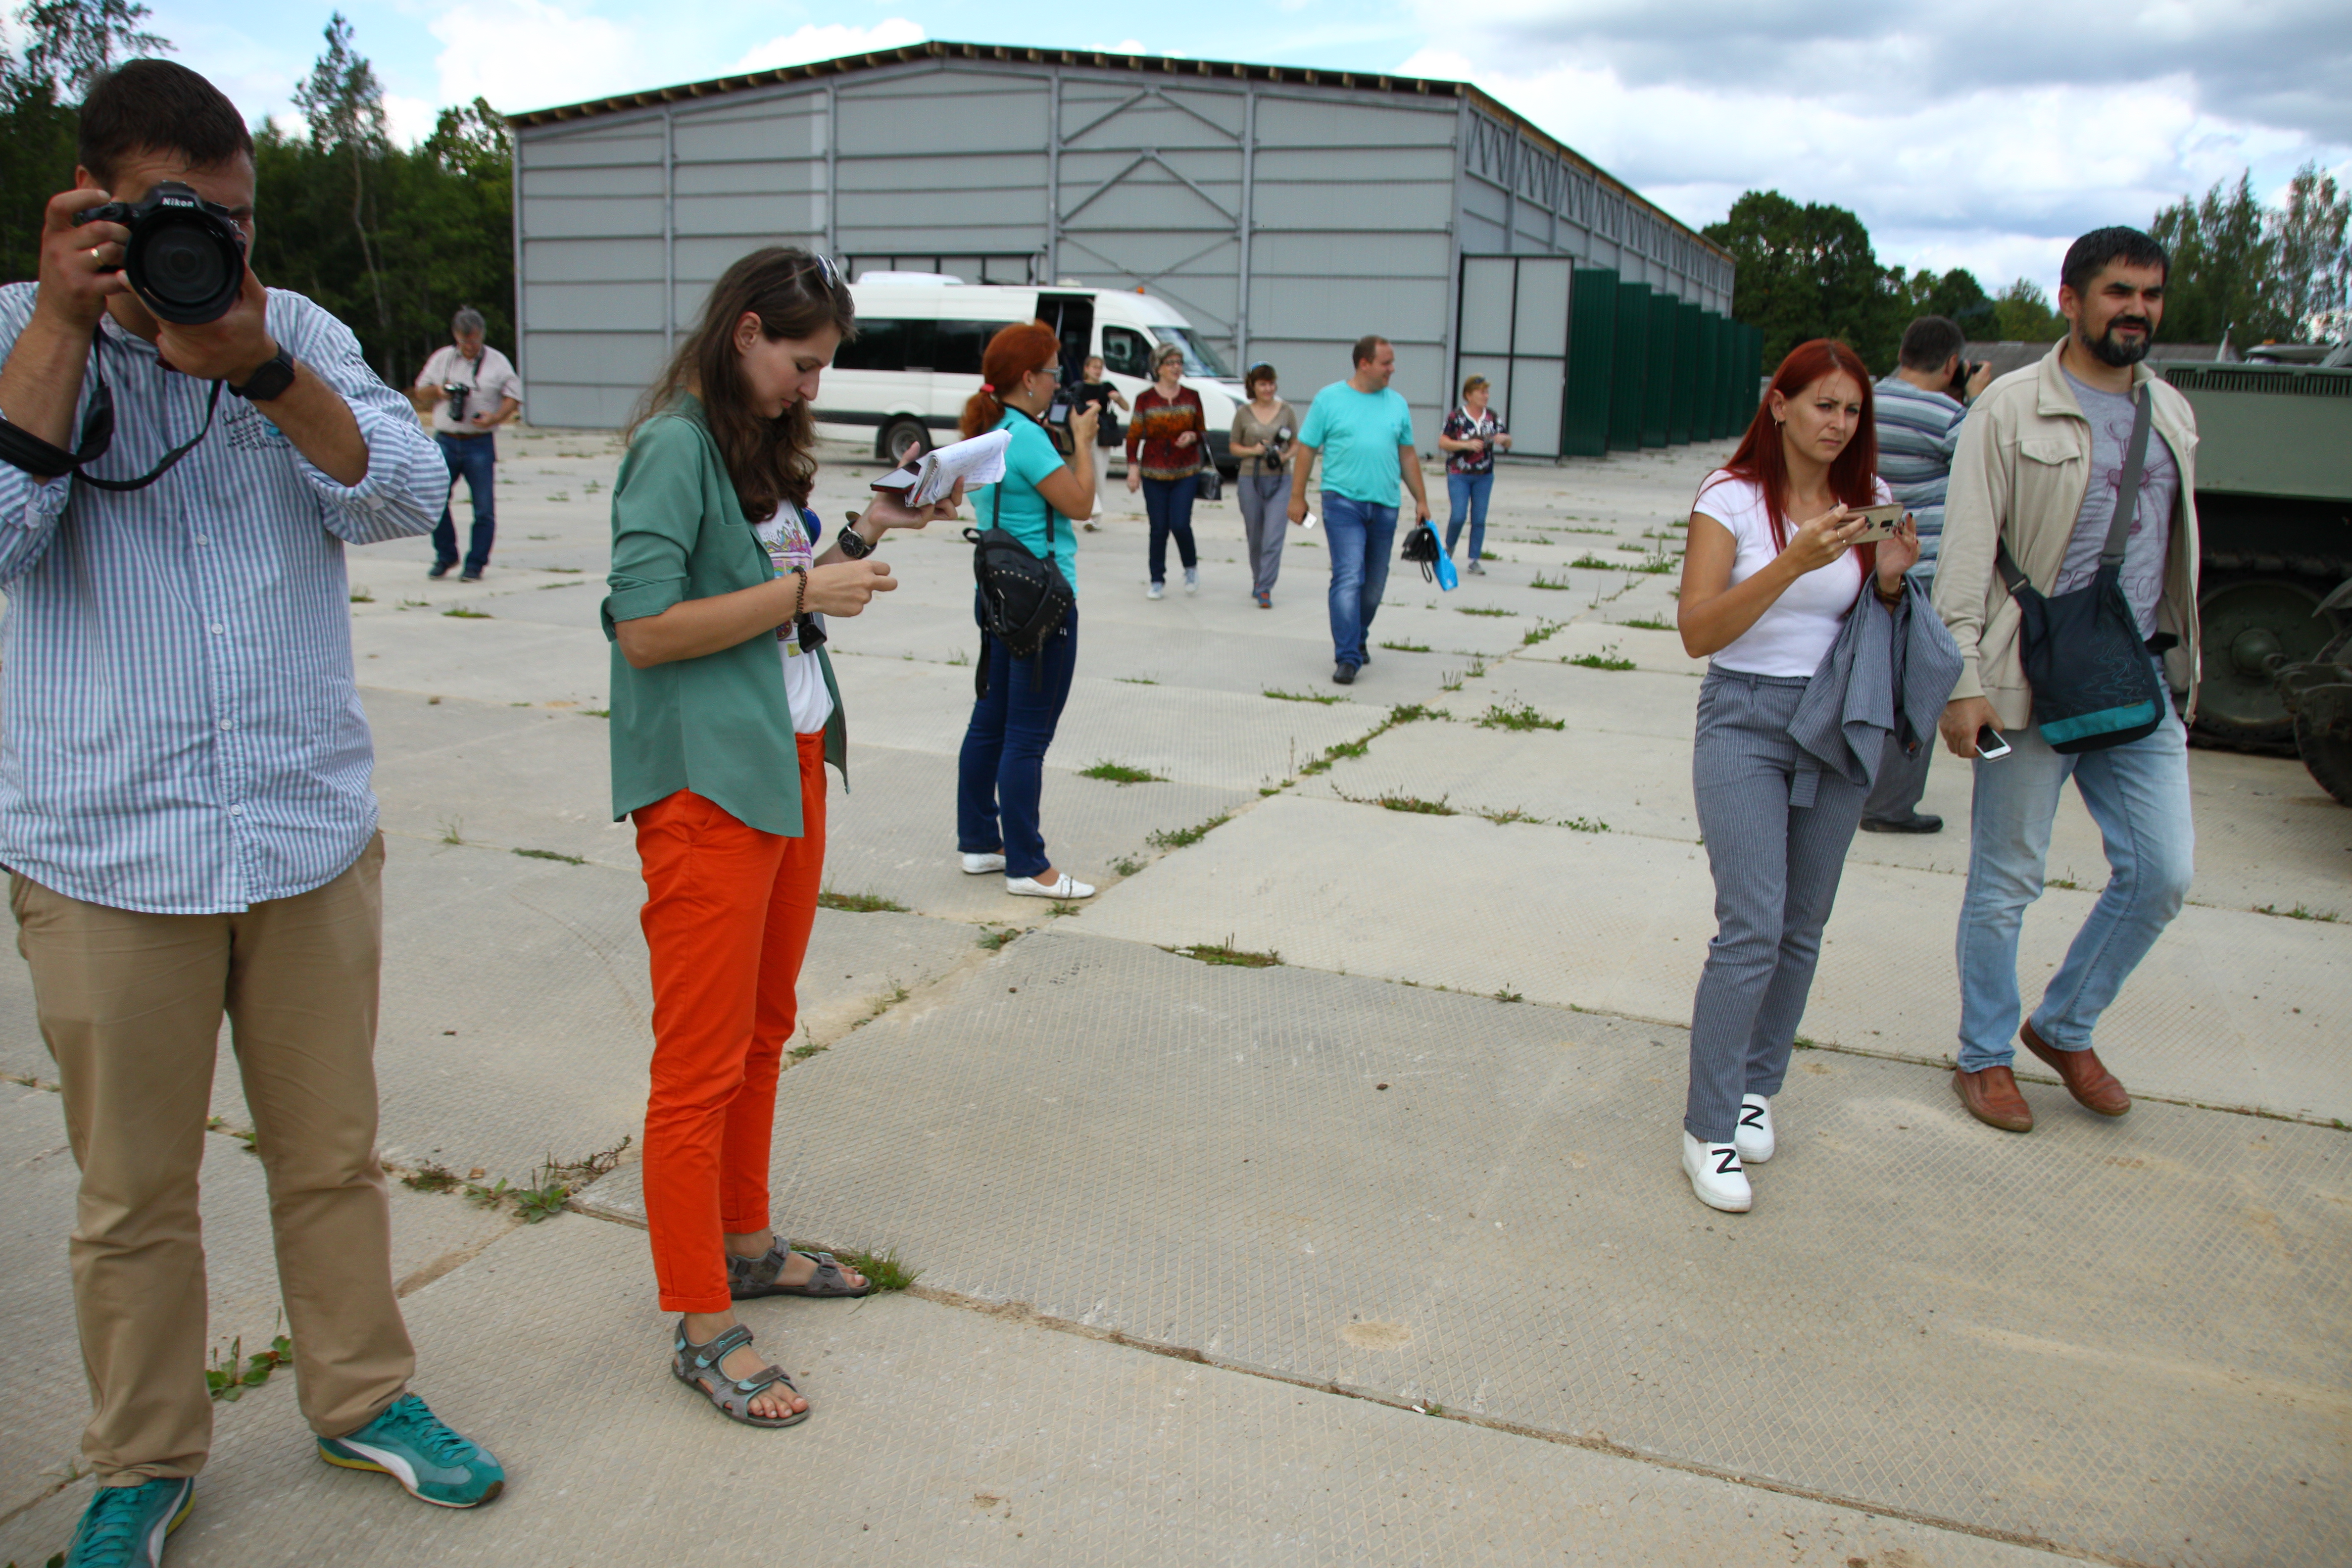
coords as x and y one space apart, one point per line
236 811
203 539
229 724
218 630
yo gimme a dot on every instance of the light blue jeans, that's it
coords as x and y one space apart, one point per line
2139 795
1357 534
1465 496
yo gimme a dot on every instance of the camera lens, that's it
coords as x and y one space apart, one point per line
189 266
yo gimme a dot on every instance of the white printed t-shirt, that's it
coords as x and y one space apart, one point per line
1790 637
789 546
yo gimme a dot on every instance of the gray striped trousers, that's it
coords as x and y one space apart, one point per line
1776 875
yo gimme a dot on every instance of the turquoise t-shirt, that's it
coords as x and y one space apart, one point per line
1359 434
1020 510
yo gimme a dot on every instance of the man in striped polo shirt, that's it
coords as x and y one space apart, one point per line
1918 419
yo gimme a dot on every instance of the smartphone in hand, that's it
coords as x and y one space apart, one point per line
1991 746
1879 522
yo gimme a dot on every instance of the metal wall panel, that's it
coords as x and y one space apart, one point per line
1486 320
595 180
636 141
1289 116
584 217
592 307
1326 254
1684 404
1658 385
746 214
1629 381
595 359
1591 358
592 261
1706 399
1541 324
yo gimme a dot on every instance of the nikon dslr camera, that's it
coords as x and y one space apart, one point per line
185 256
456 392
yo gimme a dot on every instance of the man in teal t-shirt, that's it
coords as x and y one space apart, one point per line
1363 432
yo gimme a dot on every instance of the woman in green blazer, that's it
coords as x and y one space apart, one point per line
724 714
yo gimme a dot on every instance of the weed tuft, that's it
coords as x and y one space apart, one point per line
2297 913
453 830
1127 865
1649 624
860 903
994 940
1413 712
882 1270
432 1178
1280 696
1607 658
234 1371
1120 773
1539 633
1543 582
1592 562
1583 824
461 613
1178 837
551 855
1523 717
1413 803
1228 953
1482 610
1406 646
362 597
1504 993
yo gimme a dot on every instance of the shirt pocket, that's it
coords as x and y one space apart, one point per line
2049 451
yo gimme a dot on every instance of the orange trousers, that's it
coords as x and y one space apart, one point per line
727 918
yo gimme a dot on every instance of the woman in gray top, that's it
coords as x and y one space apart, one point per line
1264 428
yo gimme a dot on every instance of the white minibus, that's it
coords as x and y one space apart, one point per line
902 381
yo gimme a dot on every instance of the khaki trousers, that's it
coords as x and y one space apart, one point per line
130 1007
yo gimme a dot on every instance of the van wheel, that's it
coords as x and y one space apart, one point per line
903 440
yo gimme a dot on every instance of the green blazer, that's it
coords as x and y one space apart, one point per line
718 725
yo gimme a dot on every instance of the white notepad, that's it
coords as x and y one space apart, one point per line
929 478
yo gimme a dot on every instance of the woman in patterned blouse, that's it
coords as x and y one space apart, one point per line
1471 436
1170 427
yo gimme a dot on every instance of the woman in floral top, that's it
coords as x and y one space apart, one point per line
1473 435
1170 427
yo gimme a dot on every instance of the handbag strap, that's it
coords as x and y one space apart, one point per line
2127 498
996 494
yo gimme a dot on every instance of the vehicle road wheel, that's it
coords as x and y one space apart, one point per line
905 441
2253 626
2327 750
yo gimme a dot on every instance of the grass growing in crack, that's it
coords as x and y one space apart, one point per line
1506 995
1481 610
1539 633
231 1374
362 597
1503 818
1583 824
459 612
551 855
1134 680
802 1053
1413 712
596 713
882 1270
994 940
1649 624
1127 865
453 830
1592 562
252 1141
860 903
432 1178
1453 681
1226 952
1523 717
1637 549
1543 582
1302 696
1413 803
1406 646
1063 906
1120 773
1607 658
1654 565
1178 837
2297 913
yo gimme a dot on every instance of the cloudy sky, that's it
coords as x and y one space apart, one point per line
1982 135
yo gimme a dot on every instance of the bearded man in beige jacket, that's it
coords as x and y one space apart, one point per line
2039 468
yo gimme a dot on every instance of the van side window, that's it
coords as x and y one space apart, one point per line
880 345
957 348
1127 353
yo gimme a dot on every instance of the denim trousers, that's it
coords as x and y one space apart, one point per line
1002 767
473 458
1266 512
2139 795
1358 535
1776 877
1467 497
1169 504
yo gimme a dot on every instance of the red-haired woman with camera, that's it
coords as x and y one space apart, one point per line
1040 502
1765 598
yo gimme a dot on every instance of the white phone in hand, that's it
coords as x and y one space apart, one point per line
1879 522
1991 746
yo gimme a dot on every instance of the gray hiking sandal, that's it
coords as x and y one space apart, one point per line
750 1277
696 1366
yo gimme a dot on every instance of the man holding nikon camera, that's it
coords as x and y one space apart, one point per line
184 804
470 389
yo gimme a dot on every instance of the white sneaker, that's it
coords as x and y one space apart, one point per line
1062 887
1191 579
1715 1176
980 865
1753 1137
1159 591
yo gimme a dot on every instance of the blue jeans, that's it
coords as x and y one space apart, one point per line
473 458
1003 768
2139 795
1169 504
1359 535
1466 495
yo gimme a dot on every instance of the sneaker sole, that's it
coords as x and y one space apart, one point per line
342 1463
1719 1208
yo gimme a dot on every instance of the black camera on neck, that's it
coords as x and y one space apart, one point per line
456 392
186 255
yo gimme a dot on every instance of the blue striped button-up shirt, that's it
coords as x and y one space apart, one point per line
1918 431
179 729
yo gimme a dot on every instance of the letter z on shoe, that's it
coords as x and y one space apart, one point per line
124 1527
432 1463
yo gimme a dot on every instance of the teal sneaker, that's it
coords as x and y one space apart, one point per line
432 1463
124 1527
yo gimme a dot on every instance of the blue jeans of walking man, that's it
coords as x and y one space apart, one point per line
1359 535
2139 795
473 458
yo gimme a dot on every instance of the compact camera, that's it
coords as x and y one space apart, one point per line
185 256
456 392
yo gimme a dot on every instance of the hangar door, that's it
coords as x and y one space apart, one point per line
1515 316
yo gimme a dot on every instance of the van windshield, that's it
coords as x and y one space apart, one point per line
1200 359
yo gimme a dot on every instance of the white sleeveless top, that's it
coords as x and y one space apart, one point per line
1792 637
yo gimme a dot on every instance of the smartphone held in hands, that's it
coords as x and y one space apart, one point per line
1879 522
1991 746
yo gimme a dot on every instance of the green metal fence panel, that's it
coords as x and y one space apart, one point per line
1591 355
1630 372
1683 405
1707 401
1658 386
1727 422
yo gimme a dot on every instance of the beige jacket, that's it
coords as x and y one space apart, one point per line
2021 473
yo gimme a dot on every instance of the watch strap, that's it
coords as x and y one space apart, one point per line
854 544
276 374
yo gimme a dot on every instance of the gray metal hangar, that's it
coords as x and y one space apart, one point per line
1284 211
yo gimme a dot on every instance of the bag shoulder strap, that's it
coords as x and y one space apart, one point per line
2127 494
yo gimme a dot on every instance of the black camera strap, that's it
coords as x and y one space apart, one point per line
21 448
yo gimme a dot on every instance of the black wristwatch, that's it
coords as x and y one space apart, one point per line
276 374
853 543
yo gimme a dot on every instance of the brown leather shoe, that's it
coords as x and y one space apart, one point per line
1992 1099
2085 1077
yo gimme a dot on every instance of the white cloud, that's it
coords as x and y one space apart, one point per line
529 54
412 118
829 41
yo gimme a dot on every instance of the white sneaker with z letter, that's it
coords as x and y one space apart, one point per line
1753 1137
1715 1176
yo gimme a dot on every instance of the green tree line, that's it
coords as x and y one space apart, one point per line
2264 274
392 240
